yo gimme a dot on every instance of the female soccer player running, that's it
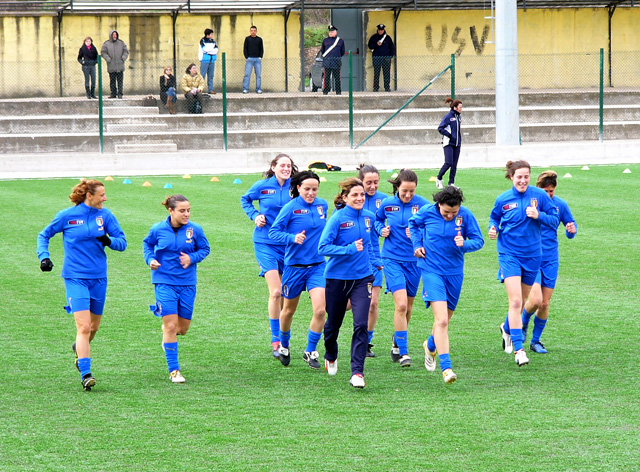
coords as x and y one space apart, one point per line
271 193
172 249
346 240
441 235
400 266
370 177
542 290
87 228
516 221
299 225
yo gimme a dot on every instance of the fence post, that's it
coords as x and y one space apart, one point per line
100 117
453 76
224 100
351 99
601 94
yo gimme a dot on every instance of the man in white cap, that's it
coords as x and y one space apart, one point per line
332 50
383 50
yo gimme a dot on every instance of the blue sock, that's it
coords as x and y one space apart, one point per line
370 333
445 362
431 344
312 341
538 327
171 353
284 338
526 316
402 342
516 339
275 330
506 325
84 364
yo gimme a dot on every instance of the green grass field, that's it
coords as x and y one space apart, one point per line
574 409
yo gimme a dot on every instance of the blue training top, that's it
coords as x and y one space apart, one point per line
396 214
271 198
372 203
346 226
84 255
165 244
296 216
519 235
550 234
436 235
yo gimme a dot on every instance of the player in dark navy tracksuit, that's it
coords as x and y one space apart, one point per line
451 141
542 290
516 222
382 50
441 235
299 224
370 178
87 228
346 240
400 266
332 50
271 193
173 249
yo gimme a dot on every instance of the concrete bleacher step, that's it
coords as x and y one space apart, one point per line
136 127
146 147
130 110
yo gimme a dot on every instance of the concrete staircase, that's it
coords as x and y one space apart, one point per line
295 120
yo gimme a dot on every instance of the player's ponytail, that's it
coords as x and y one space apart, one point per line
80 191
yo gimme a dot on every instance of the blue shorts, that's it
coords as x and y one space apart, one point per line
297 279
174 300
269 257
513 266
441 288
401 275
377 277
86 294
548 274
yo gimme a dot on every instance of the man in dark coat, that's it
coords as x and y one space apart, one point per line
383 51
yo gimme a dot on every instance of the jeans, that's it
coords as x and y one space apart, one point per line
113 78
256 64
206 71
89 75
171 93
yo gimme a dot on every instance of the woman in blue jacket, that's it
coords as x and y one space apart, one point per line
299 225
271 193
172 249
516 222
370 178
441 235
451 141
87 228
346 240
400 266
542 290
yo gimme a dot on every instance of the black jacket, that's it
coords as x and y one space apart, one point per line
171 82
88 57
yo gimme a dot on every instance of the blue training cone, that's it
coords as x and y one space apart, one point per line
126 181
237 181
167 185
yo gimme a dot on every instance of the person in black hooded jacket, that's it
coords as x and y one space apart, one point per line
88 57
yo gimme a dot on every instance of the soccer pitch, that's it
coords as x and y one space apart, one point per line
576 408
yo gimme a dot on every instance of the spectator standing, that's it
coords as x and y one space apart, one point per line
115 52
207 55
383 50
253 52
332 50
88 56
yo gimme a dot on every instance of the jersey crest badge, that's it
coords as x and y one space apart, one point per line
534 202
189 233
415 209
99 221
458 220
378 202
320 210
367 222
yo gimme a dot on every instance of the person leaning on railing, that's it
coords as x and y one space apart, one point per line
192 86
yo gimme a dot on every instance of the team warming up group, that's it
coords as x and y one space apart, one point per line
338 260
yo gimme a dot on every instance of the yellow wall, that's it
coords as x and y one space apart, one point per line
29 47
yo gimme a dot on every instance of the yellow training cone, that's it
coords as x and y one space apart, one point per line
108 178
146 184
214 179
432 178
186 176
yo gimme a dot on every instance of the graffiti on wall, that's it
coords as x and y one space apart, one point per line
457 38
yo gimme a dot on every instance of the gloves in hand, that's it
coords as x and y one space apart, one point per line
46 265
105 240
